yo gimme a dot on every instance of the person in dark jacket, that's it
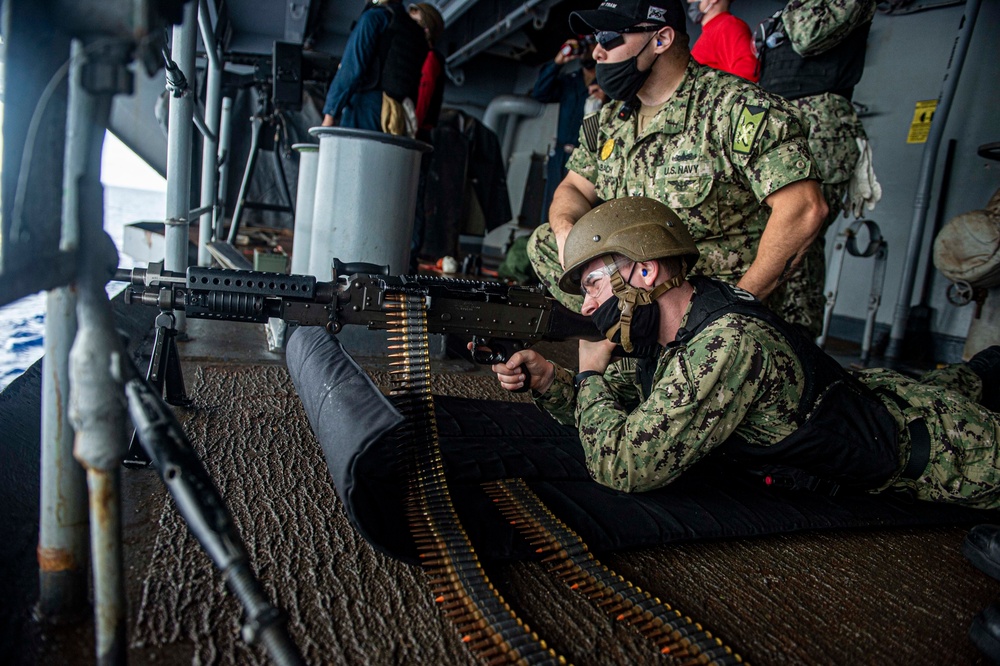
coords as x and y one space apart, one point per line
571 87
382 59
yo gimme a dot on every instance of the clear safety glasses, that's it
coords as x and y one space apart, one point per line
592 284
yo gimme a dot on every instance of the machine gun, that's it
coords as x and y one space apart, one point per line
499 319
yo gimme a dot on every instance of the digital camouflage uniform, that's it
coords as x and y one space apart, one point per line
717 148
740 376
813 26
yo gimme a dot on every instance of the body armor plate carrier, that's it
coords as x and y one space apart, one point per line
846 436
400 56
836 70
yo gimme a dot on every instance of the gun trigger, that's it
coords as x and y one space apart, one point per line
483 354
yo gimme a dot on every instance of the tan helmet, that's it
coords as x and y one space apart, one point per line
639 228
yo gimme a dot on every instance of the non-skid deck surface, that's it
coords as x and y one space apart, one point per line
830 597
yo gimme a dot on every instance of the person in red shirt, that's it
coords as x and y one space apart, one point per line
431 92
726 42
428 108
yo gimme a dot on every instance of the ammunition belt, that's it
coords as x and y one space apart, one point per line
485 622
568 557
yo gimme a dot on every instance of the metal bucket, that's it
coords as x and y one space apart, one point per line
366 196
304 199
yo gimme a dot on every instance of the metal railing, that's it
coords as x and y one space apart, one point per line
84 438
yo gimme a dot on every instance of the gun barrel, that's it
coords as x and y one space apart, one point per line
152 274
511 317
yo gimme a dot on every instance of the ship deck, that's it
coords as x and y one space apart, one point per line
820 597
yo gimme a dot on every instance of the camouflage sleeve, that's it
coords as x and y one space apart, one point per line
622 383
813 26
767 141
560 400
704 393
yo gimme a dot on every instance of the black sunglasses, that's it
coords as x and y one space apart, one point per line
610 39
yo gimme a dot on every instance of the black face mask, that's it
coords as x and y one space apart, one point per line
644 330
622 80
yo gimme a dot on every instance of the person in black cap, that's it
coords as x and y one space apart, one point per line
730 159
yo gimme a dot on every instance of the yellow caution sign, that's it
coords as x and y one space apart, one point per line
921 125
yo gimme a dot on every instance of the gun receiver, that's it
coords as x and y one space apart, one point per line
500 319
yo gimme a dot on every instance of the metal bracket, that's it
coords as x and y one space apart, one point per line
105 70
847 243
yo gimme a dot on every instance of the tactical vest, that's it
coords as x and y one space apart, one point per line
399 57
836 70
846 435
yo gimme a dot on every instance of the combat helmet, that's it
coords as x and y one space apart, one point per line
639 228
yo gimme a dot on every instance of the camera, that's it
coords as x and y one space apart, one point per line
579 47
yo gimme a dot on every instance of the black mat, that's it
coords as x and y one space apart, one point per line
488 440
482 440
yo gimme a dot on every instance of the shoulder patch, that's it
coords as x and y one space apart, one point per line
607 149
591 127
751 120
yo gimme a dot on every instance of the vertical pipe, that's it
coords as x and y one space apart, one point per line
209 150
225 134
920 204
62 531
241 198
180 131
106 551
96 398
305 198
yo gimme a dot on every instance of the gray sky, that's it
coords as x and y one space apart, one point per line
120 167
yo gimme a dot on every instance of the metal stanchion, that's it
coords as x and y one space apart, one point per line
210 145
180 131
96 401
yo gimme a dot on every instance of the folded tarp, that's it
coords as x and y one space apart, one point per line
484 441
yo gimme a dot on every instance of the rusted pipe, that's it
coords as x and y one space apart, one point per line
62 525
96 396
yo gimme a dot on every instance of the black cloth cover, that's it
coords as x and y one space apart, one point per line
349 416
486 440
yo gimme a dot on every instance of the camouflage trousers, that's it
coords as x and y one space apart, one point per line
799 300
964 464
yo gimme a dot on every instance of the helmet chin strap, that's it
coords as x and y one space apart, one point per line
629 297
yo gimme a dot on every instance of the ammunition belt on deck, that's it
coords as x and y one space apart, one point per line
485 622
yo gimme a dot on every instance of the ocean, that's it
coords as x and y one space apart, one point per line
22 323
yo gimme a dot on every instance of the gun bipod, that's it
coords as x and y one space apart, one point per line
165 375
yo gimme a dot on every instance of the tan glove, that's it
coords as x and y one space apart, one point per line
864 190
